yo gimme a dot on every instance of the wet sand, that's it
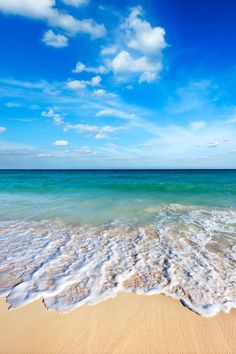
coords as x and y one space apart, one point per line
128 323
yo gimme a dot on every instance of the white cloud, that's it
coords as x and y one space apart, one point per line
124 64
2 129
149 76
141 36
99 93
61 143
108 112
139 56
100 136
55 40
105 113
56 117
76 84
109 50
80 67
75 3
81 84
95 81
29 8
45 10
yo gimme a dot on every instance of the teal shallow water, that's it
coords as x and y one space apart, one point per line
79 237
96 197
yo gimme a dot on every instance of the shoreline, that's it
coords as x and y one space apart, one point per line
128 323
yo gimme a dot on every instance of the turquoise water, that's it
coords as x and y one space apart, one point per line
96 197
79 237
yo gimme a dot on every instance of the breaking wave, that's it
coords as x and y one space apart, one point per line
188 253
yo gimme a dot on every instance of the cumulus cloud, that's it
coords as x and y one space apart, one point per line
80 67
56 117
45 10
61 143
2 129
124 64
141 36
81 84
55 40
139 56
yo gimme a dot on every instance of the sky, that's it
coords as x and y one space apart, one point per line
117 84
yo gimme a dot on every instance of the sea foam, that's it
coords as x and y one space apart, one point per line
187 253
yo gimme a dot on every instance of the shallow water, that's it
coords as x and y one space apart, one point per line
72 237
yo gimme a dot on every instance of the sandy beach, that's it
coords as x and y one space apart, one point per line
128 323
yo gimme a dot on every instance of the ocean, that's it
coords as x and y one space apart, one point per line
74 237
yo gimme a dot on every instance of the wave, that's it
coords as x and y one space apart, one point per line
188 253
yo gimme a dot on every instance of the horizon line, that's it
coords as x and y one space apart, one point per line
117 169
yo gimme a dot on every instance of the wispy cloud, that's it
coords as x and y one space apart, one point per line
109 112
193 96
13 104
99 133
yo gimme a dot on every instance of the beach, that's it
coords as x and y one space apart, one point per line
103 261
128 323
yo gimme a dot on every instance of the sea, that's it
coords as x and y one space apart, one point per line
75 237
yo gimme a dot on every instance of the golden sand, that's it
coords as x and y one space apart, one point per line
126 324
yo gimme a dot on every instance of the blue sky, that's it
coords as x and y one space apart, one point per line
111 84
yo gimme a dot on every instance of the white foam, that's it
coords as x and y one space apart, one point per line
186 253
